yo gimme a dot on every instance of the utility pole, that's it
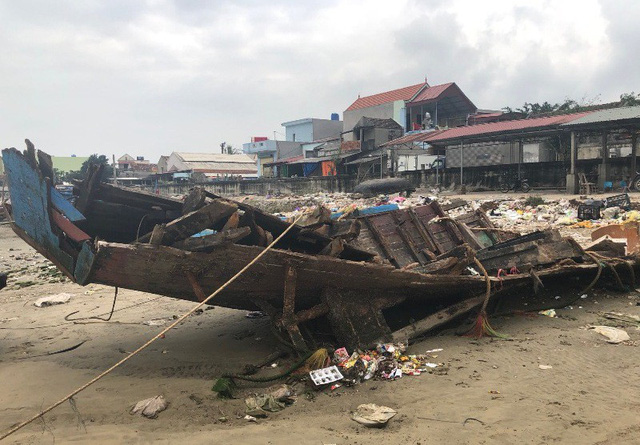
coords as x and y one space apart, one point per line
115 181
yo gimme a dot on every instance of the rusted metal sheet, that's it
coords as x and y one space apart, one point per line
628 231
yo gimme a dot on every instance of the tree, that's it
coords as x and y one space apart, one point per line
96 159
629 99
228 149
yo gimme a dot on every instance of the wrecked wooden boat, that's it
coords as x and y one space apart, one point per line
367 277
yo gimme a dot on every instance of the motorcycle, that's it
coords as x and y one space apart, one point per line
515 185
635 182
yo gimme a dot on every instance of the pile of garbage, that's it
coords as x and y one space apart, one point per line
386 362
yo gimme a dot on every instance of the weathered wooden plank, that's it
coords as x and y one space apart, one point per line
137 198
30 203
161 270
122 223
205 218
68 227
194 200
311 242
436 320
354 320
207 242
89 187
65 207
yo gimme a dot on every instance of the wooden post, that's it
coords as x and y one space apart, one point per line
634 154
288 309
574 153
520 155
604 167
461 161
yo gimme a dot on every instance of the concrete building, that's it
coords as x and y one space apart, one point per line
162 164
268 151
312 129
447 105
67 164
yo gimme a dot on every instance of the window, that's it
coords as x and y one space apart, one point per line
294 137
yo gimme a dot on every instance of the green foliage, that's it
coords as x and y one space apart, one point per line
629 99
570 105
67 176
98 160
534 200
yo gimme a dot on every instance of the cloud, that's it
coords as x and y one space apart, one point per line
155 76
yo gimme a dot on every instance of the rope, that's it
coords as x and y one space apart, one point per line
95 317
294 367
488 281
153 339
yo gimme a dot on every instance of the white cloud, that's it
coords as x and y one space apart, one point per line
151 77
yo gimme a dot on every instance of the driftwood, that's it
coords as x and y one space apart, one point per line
194 200
436 320
204 243
205 218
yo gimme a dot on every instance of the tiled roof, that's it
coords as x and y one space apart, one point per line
431 92
405 93
488 128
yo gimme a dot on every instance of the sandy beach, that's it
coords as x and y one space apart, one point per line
585 392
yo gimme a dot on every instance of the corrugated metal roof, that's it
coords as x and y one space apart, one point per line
608 115
213 157
412 137
504 126
488 128
405 93
221 166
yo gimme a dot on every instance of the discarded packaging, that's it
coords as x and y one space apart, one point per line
325 376
372 415
259 405
549 313
150 407
53 300
614 335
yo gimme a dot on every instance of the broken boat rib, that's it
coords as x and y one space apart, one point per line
366 276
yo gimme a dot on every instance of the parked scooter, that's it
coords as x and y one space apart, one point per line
515 184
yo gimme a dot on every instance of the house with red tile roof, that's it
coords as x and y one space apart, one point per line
443 105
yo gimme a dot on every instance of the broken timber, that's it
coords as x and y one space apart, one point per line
356 276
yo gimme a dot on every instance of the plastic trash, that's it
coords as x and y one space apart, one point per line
614 335
52 300
372 415
150 407
325 376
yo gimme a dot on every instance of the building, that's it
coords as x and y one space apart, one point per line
138 164
312 129
67 164
307 132
162 164
446 104
214 165
268 151
372 132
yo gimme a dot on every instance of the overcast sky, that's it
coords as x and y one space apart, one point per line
151 77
